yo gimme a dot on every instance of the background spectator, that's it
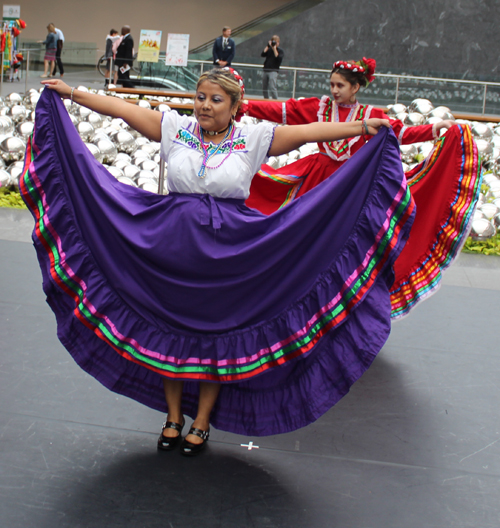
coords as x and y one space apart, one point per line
60 44
50 51
274 56
125 58
110 53
224 48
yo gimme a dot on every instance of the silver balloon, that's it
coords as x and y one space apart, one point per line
408 152
115 171
482 229
131 171
94 119
6 125
489 210
18 113
148 164
484 148
15 170
140 154
12 148
25 129
482 131
494 186
402 116
425 149
107 148
151 148
94 150
85 130
490 178
5 179
82 88
421 106
145 175
4 111
143 103
124 156
143 180
496 202
111 132
82 113
478 214
121 163
142 141
151 187
414 119
127 181
443 112
496 221
31 99
14 98
125 142
395 109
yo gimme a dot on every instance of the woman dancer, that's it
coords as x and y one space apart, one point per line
445 186
49 61
194 303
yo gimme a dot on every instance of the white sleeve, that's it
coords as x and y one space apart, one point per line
260 138
171 123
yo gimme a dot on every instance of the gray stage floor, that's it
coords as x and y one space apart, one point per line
415 444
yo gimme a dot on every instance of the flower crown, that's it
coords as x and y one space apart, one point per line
238 78
364 66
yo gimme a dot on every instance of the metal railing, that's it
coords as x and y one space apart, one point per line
476 97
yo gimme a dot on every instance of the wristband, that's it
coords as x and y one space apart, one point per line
365 128
72 90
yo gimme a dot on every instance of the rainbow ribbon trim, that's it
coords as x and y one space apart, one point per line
426 277
230 370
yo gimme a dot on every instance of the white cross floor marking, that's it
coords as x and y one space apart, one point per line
250 446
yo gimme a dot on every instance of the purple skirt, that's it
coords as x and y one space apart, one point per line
50 54
285 311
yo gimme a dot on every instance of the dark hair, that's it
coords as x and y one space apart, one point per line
350 76
112 31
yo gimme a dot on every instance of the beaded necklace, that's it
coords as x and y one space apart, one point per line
208 156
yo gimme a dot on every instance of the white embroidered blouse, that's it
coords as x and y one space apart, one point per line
181 149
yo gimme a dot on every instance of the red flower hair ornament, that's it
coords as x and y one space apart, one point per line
365 66
370 65
238 77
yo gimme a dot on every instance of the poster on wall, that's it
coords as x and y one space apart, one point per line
11 11
149 45
177 49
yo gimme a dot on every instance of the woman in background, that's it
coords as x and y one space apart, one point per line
445 186
49 60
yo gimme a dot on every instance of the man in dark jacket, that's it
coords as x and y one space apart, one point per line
224 48
274 56
125 58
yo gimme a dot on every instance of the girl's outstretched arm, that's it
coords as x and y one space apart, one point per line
147 122
288 138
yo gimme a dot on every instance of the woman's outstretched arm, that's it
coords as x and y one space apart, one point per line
147 122
288 138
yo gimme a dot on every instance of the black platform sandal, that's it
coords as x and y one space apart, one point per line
166 443
189 449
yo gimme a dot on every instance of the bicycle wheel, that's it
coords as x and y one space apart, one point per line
102 65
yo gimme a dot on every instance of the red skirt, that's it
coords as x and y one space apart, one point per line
445 187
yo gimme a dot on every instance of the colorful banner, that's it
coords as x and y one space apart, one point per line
149 45
177 49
